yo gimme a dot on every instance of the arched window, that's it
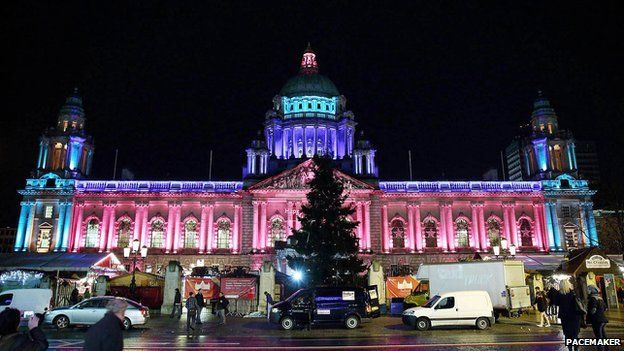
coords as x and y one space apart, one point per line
157 229
44 240
276 231
190 234
123 232
493 230
430 229
93 233
397 230
461 232
526 232
557 158
223 234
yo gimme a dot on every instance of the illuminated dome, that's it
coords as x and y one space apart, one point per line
309 82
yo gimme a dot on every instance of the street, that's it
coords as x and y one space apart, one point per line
387 333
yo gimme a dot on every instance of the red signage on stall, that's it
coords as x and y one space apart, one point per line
209 287
401 286
239 288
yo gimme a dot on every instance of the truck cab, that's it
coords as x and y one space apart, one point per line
348 306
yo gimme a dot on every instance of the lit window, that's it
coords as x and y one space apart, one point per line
461 233
123 235
526 232
276 231
49 210
397 230
431 233
158 233
190 234
223 234
93 233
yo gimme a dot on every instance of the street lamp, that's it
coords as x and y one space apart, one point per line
503 247
136 254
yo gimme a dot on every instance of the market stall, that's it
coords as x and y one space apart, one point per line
149 291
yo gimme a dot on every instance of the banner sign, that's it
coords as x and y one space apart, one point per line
597 261
401 286
209 287
239 288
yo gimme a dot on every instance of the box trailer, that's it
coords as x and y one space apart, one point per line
504 280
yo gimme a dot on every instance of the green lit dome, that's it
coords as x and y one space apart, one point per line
309 85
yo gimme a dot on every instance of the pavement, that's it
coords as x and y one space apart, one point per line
384 333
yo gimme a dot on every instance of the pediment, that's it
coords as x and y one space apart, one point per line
299 177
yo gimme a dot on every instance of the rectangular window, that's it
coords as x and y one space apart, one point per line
566 212
49 210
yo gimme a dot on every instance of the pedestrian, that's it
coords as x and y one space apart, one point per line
12 340
542 305
191 311
87 294
107 335
73 297
552 308
596 314
221 307
177 304
269 303
569 312
200 305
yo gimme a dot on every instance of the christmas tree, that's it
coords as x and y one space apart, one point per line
326 246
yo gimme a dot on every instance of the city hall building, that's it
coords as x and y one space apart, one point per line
238 222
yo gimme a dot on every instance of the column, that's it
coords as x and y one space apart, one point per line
482 228
359 219
137 221
104 227
410 227
289 217
474 228
263 225
297 209
385 240
144 219
21 226
111 228
549 226
170 221
367 239
325 151
78 228
543 228
450 228
592 234
315 140
236 231
537 228
442 235
30 224
176 228
210 229
69 210
555 224
514 225
418 233
58 235
256 229
202 228
507 222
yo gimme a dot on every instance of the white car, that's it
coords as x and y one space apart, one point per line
469 308
27 301
90 311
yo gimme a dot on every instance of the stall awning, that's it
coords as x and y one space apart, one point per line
536 262
590 259
58 261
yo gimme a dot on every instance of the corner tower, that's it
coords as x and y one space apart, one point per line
66 150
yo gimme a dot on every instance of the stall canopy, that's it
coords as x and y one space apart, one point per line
537 262
58 261
591 259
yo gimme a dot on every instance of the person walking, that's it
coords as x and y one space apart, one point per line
107 335
269 303
12 340
73 297
596 314
200 305
221 307
568 312
177 304
191 311
551 295
541 301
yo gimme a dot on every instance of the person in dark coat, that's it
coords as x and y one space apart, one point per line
570 318
191 311
177 304
73 297
107 334
221 308
542 305
200 305
12 340
596 314
551 295
269 303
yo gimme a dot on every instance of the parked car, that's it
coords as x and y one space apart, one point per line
327 305
451 309
27 301
90 311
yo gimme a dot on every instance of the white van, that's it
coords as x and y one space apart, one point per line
472 308
27 301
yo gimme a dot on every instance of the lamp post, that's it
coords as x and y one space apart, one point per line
136 254
504 249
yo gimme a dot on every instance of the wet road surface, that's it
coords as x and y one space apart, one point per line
385 333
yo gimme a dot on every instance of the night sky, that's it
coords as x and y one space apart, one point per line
166 84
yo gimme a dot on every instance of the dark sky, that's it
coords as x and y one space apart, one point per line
165 84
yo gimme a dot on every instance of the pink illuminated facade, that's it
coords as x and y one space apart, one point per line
244 223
